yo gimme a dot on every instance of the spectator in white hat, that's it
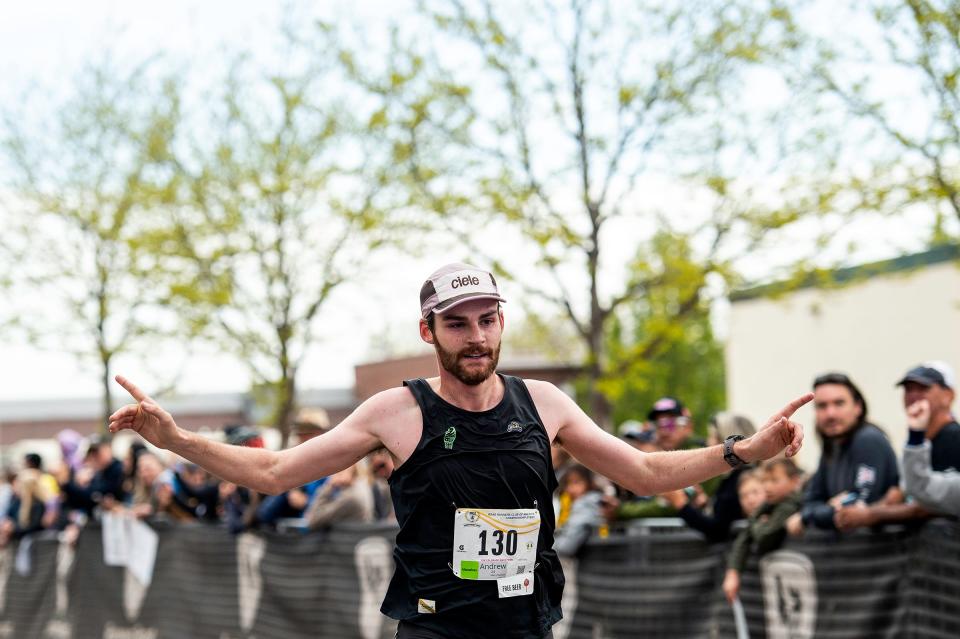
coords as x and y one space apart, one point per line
931 458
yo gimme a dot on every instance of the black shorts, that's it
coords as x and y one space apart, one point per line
409 631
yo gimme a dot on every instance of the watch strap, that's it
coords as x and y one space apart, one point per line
728 455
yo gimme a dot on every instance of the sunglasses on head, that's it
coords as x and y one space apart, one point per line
832 378
671 422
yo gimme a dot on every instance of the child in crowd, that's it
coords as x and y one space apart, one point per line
750 491
765 531
580 488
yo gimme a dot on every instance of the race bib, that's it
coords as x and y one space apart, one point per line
493 544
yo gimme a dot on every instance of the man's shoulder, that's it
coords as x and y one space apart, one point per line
871 435
545 394
391 400
949 435
952 429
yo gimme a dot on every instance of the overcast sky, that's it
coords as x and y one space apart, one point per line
41 39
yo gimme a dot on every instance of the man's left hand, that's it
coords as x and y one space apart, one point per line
778 434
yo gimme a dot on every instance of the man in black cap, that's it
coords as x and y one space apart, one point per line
931 458
473 485
673 424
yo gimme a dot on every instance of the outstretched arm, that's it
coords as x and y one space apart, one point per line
262 470
654 473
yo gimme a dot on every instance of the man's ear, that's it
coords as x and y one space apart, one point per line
425 333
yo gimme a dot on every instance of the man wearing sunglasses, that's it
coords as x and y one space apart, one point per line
673 424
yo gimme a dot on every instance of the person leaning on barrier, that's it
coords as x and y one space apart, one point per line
26 508
473 482
932 478
856 482
49 488
100 479
346 496
307 424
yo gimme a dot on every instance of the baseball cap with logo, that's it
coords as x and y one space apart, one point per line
454 284
930 373
666 406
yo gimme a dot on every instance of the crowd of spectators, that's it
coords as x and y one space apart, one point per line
89 479
857 483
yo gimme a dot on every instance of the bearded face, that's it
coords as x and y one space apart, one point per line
471 365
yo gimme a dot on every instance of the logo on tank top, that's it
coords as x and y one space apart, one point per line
449 437
514 427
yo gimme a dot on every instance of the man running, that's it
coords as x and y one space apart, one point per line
473 484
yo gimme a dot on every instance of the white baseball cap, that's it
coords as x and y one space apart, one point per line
455 283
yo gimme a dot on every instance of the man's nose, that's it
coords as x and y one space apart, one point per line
476 334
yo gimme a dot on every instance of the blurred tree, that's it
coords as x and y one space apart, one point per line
550 138
680 355
276 212
892 67
84 171
656 348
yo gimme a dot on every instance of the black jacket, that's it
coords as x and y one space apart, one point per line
864 464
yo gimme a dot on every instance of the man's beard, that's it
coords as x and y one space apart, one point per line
455 363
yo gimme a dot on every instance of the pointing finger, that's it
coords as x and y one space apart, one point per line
792 407
132 388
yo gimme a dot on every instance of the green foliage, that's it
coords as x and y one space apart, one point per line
911 145
663 343
85 175
546 125
275 210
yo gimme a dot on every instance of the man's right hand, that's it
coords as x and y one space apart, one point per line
918 415
146 417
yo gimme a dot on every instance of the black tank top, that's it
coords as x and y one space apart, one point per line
498 458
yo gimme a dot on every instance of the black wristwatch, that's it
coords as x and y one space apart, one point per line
728 455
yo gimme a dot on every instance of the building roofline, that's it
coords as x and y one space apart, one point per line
194 404
846 275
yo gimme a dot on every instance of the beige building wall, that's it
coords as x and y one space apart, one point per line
873 330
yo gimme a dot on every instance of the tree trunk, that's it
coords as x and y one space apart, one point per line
285 407
107 402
